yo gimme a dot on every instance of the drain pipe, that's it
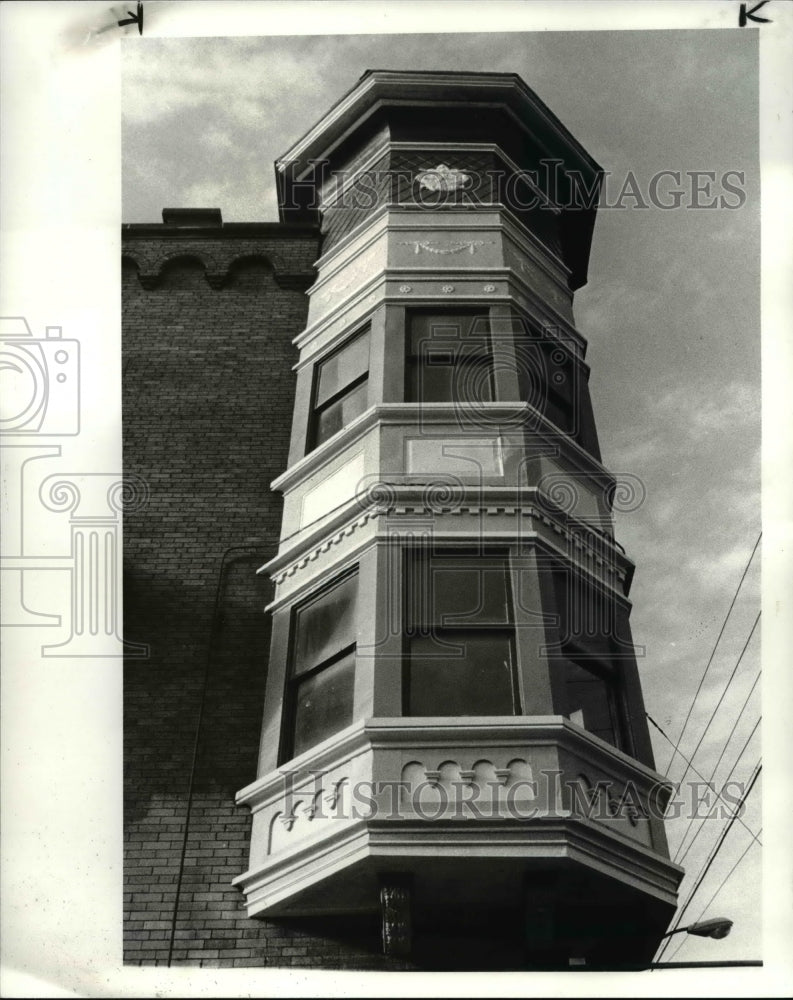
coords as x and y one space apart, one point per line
247 545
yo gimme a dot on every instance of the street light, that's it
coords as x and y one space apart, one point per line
718 927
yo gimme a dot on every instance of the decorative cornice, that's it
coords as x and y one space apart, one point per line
217 261
596 547
380 87
573 537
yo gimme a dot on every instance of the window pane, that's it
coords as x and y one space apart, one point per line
449 358
341 412
343 367
462 590
450 375
459 673
589 694
473 379
438 328
469 595
432 377
443 376
324 703
326 625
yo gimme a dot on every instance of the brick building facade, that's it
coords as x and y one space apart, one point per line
208 395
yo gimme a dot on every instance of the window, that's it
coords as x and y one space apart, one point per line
449 358
591 701
460 637
587 645
547 377
323 667
340 388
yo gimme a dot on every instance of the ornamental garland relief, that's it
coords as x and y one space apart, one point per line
445 246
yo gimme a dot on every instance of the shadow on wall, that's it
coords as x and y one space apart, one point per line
195 656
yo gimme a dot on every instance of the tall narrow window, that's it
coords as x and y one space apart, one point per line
340 388
586 641
548 379
460 636
323 668
591 700
449 358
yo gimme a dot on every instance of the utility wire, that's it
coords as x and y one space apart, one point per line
738 718
713 854
710 811
723 693
713 653
735 724
726 744
723 882
728 804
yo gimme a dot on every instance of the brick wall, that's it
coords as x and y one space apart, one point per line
208 393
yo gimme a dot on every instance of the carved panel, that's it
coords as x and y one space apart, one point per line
454 789
443 178
619 805
313 811
465 456
444 247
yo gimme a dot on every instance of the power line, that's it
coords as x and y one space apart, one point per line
718 890
713 854
735 764
652 720
723 693
713 653
735 724
721 755
712 857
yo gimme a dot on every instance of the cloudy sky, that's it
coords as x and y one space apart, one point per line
671 313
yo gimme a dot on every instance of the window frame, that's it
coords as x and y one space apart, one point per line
316 410
412 359
455 632
296 676
596 652
608 673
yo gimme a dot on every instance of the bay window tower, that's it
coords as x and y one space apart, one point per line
454 733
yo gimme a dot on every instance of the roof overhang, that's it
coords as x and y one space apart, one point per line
382 89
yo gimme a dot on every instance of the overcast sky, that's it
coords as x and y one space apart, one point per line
671 314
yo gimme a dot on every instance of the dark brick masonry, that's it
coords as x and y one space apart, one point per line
209 316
